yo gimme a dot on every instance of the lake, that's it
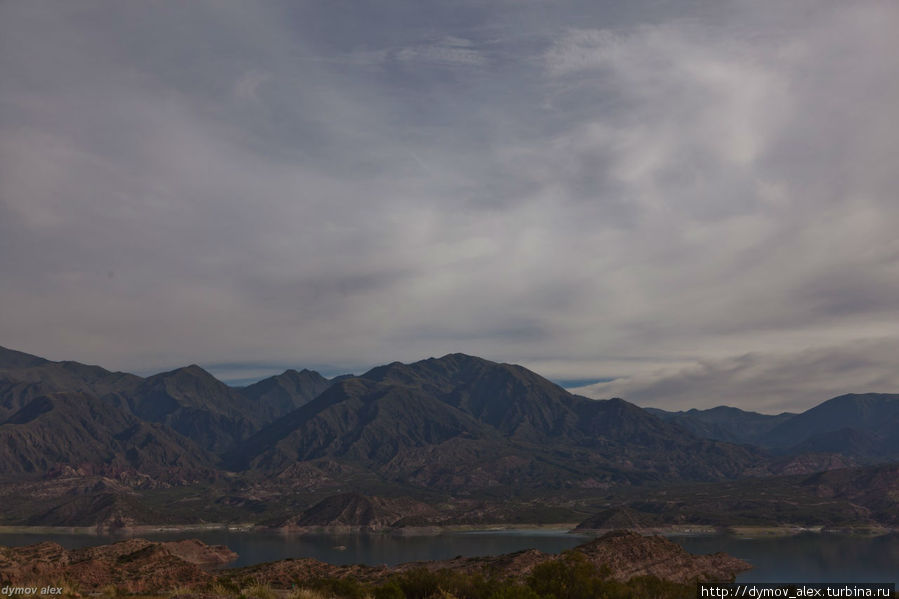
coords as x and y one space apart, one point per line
801 558
808 557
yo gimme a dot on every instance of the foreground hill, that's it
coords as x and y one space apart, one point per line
603 565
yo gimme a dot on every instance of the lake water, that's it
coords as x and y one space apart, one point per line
802 558
808 557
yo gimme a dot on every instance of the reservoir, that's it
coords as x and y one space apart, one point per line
809 557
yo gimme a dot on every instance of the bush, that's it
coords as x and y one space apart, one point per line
422 583
390 590
513 591
648 587
346 588
572 576
306 594
258 591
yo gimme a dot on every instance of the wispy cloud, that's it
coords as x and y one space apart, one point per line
771 383
448 51
597 191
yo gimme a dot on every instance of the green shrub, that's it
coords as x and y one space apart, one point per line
345 588
389 590
648 587
307 594
572 576
422 583
513 591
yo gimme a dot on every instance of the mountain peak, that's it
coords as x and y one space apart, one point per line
193 373
10 358
195 370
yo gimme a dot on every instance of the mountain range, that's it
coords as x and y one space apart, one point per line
456 426
862 426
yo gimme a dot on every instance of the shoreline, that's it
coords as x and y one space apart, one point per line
247 527
747 532
103 531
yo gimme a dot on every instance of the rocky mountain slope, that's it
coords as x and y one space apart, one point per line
464 422
849 498
457 427
77 428
134 566
356 512
724 423
175 397
861 426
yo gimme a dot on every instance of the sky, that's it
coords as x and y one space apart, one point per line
694 203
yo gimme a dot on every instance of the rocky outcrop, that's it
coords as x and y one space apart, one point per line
629 554
135 565
625 555
140 566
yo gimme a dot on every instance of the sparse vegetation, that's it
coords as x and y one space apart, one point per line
571 577
307 594
258 591
224 589
69 588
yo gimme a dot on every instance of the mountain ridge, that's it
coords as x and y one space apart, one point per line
458 427
501 421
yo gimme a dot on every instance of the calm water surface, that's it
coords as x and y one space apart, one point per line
802 558
808 557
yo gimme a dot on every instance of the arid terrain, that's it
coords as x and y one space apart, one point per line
140 566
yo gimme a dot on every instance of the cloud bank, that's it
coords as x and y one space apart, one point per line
594 191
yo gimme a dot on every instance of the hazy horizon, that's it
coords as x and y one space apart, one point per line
693 202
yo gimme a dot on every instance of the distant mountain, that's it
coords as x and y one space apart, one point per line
277 395
77 429
361 421
865 425
857 426
12 359
189 400
24 377
196 404
465 422
457 427
724 423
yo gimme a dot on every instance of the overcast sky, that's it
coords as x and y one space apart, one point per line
699 200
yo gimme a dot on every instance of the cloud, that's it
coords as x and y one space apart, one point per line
772 383
449 51
606 191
